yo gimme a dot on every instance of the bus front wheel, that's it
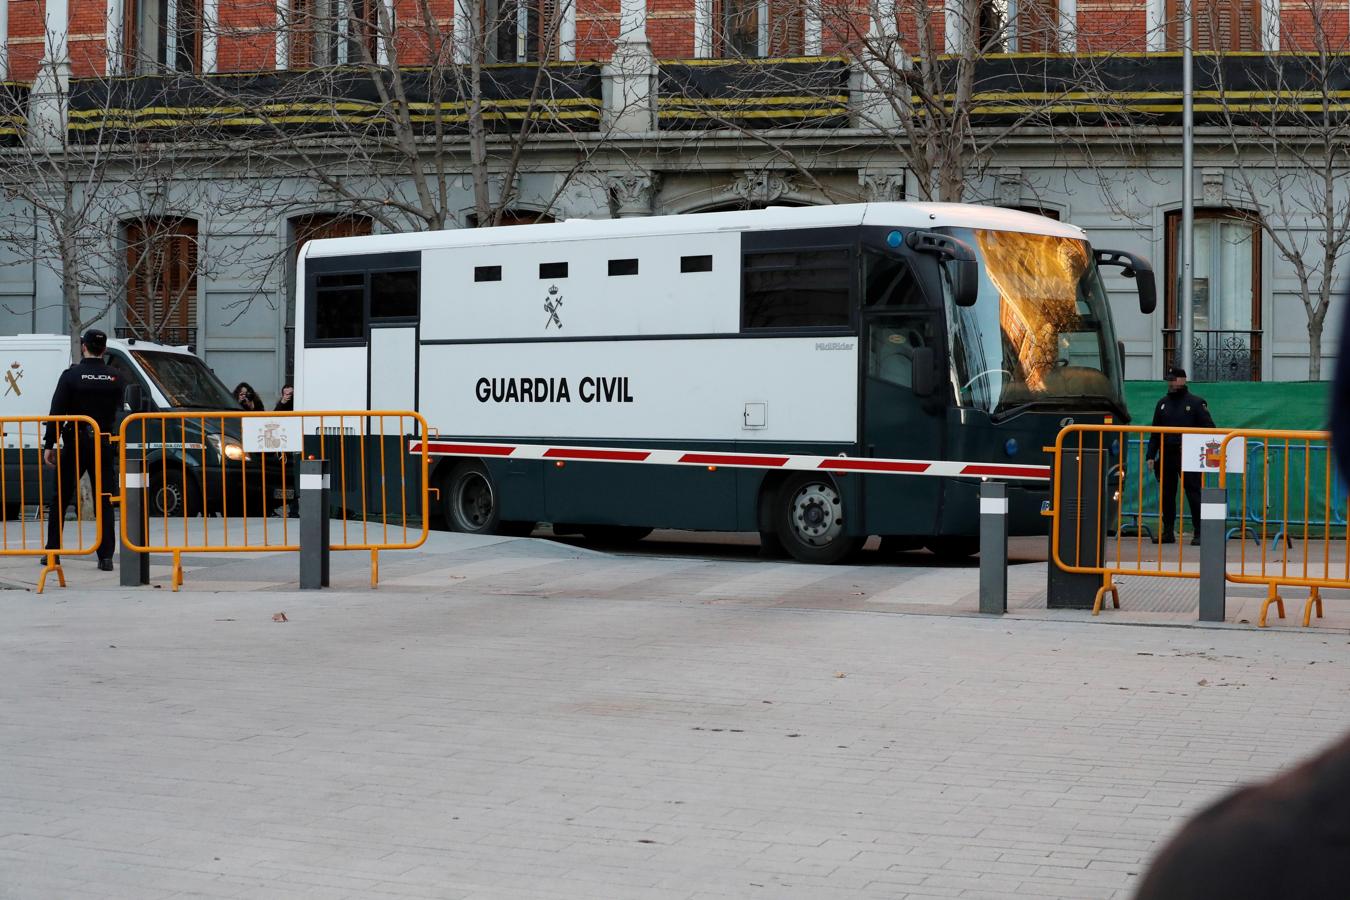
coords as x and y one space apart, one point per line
809 520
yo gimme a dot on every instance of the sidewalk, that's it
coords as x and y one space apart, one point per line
521 718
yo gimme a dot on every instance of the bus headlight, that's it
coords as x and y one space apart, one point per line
228 447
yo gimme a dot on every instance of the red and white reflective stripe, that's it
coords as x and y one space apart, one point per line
864 465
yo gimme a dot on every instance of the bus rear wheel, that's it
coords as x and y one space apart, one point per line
469 500
809 520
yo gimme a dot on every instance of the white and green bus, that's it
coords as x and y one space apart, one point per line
893 330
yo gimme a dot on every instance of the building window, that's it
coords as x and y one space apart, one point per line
750 29
1223 25
162 36
333 32
162 263
517 31
1227 295
322 226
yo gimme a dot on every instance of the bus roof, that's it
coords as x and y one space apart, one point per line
899 215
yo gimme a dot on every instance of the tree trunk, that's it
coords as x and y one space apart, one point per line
1315 348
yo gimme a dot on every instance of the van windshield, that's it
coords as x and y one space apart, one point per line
184 380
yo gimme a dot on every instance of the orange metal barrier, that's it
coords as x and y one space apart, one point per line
237 472
1290 479
28 486
1089 527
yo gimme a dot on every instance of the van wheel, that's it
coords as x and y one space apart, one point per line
809 520
169 497
469 499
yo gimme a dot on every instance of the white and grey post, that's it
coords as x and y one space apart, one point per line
993 547
314 486
134 567
1213 553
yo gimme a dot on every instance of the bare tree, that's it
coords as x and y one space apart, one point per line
96 208
1290 148
933 92
392 119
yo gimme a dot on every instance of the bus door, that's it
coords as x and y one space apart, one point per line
393 367
896 422
393 388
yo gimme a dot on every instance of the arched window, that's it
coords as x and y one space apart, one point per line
1227 295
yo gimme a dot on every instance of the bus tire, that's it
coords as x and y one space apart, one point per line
469 500
170 496
809 520
618 535
953 549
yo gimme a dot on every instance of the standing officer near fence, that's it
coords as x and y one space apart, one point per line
1178 409
94 389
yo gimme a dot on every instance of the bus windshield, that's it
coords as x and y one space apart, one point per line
1040 332
184 380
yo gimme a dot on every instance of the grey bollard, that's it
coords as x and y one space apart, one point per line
993 547
314 485
1213 554
134 567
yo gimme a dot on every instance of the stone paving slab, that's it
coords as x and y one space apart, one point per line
531 719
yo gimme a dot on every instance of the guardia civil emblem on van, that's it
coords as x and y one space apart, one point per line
12 377
553 303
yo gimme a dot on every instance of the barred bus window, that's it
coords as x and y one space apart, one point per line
553 270
393 295
796 289
339 313
487 273
695 263
623 267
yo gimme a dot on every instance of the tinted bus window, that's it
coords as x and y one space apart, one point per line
339 302
796 289
393 295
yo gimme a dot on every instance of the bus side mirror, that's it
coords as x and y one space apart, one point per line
1134 266
960 268
924 378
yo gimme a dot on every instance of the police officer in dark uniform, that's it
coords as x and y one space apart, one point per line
94 389
1179 409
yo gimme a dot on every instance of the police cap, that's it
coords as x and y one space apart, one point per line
94 341
1174 372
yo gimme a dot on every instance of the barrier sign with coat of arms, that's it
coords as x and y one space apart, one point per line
1200 453
284 435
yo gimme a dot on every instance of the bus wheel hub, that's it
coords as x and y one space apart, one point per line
817 514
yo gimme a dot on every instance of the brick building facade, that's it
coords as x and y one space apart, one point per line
653 83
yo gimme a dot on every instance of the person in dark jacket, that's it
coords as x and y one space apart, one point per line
94 389
1287 838
248 398
286 402
1178 409
1340 397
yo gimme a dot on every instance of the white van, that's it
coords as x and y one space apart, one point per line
183 470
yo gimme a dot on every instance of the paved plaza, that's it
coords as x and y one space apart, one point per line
524 718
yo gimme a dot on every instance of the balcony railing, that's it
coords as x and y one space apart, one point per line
1218 355
174 336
